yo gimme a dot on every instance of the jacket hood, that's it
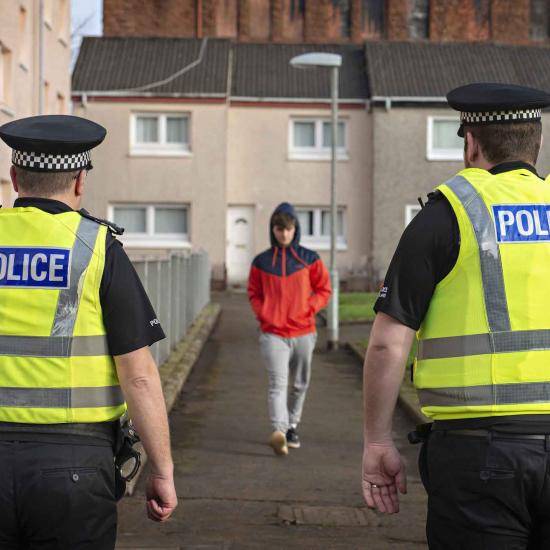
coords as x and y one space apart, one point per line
287 208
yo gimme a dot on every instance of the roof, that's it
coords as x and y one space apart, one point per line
430 70
122 64
263 71
409 70
107 64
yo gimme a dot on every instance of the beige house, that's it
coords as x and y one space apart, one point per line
415 146
264 170
201 159
20 88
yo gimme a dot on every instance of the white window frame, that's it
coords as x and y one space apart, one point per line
317 152
162 147
441 154
150 239
411 210
317 241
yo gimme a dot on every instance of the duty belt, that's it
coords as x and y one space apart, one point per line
423 432
493 434
101 430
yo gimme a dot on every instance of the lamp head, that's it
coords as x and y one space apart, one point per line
316 59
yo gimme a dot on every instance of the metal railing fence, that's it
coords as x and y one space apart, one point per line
179 288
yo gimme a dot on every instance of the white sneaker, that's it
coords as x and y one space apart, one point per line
277 442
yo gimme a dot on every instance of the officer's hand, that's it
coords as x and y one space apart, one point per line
161 497
383 474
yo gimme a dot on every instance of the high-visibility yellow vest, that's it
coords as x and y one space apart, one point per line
55 365
484 345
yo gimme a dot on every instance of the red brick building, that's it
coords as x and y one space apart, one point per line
329 21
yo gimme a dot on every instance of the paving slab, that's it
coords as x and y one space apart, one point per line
236 494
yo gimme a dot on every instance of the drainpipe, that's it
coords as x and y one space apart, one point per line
41 57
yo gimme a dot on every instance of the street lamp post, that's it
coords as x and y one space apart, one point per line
333 62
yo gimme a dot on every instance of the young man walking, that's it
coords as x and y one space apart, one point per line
288 285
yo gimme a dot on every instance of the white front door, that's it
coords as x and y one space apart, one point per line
240 227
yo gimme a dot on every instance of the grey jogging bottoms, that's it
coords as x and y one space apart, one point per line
284 357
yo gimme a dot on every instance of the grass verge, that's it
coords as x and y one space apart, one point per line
357 306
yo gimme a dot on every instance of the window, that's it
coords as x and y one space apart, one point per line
419 19
311 139
297 9
5 75
48 13
411 210
63 14
156 225
374 17
345 18
315 227
159 134
443 143
25 39
539 20
61 104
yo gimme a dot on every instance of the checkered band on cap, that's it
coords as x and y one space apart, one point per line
500 116
53 163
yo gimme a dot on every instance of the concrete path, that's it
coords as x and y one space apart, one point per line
235 494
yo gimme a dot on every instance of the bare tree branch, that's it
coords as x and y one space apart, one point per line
76 31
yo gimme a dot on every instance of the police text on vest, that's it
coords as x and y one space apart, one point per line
519 223
31 267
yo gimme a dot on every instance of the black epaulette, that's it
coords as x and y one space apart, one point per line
113 227
434 196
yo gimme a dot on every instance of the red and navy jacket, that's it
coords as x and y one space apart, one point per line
288 286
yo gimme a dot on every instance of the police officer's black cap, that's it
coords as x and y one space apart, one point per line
490 103
52 143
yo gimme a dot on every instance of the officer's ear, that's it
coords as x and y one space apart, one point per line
13 176
79 186
472 150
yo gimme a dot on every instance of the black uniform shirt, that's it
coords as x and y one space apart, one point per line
127 315
425 255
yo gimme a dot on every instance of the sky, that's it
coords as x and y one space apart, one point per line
86 20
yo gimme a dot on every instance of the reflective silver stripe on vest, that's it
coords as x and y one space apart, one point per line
53 346
489 254
497 394
69 298
481 344
61 398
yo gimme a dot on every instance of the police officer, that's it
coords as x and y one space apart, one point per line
75 326
470 274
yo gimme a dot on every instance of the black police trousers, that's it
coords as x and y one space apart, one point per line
56 496
486 493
